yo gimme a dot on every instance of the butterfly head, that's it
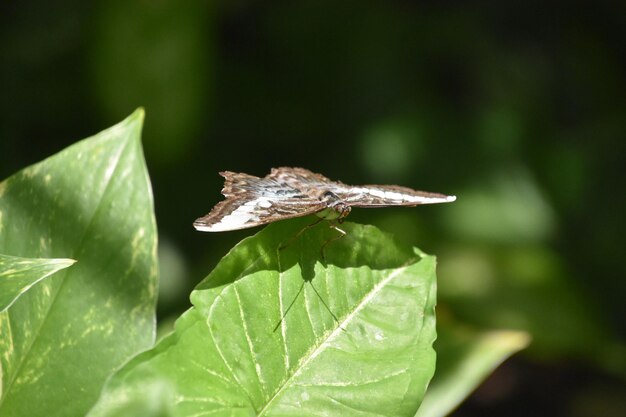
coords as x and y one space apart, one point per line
337 209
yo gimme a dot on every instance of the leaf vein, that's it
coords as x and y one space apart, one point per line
338 330
52 302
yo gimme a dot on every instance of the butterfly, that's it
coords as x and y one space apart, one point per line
295 192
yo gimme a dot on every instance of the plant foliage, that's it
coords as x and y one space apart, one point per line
62 337
293 331
17 275
292 321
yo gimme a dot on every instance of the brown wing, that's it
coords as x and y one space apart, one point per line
356 196
388 195
253 201
298 177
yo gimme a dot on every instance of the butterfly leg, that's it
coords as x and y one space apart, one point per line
326 306
282 318
297 235
284 315
342 233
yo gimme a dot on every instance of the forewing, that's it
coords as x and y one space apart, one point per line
252 201
299 178
388 195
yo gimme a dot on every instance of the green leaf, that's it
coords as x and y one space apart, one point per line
61 339
279 332
464 360
17 275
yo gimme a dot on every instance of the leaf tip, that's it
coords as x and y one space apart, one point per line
139 114
68 261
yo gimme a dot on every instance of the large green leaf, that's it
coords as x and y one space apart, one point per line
17 275
61 339
285 332
464 360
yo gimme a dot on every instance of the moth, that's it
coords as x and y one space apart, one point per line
295 192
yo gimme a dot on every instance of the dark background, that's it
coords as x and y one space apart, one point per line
518 108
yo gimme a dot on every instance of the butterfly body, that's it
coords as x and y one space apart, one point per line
295 192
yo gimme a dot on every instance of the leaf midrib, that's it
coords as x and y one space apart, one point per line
319 348
35 339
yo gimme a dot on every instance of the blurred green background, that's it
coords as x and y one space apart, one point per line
518 108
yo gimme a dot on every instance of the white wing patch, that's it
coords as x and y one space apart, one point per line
240 218
402 197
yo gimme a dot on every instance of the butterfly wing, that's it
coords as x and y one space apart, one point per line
299 177
252 201
294 192
387 195
357 196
